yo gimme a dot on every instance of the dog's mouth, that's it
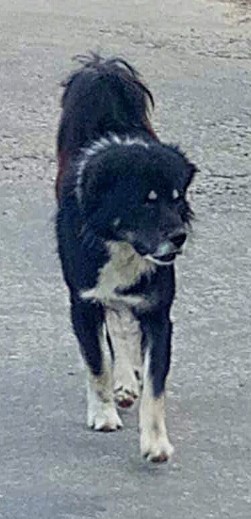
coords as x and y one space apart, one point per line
165 253
166 259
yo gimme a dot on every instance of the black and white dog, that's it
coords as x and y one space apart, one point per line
122 219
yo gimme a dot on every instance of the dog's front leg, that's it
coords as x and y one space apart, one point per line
125 333
88 324
157 330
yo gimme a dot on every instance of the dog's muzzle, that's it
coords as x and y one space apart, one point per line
168 250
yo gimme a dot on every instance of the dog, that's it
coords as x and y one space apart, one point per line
122 219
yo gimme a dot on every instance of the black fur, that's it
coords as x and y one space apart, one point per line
104 96
108 203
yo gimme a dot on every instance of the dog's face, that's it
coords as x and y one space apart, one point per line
137 194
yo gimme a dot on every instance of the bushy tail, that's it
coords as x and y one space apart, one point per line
103 96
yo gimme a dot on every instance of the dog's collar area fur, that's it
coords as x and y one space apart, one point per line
124 269
99 146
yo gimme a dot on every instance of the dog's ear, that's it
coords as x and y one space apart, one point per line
188 174
183 169
98 180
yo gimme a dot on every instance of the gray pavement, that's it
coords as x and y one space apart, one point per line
196 57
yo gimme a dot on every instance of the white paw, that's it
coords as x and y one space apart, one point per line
125 397
126 391
104 417
155 447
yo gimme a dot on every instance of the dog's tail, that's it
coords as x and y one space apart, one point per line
102 97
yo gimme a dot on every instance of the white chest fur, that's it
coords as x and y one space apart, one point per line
123 270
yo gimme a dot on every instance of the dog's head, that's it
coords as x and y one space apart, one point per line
136 193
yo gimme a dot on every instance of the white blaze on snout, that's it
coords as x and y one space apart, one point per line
163 249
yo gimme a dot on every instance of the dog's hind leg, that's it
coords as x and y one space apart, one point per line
89 326
154 442
126 337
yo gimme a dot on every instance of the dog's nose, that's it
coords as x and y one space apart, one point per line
177 239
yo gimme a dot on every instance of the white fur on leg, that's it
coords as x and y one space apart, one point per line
125 334
126 390
154 442
101 411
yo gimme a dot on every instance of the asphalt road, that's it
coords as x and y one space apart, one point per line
196 57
